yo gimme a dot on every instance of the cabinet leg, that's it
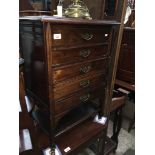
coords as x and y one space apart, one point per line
117 125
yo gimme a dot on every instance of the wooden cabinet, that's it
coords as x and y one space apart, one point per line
68 72
126 64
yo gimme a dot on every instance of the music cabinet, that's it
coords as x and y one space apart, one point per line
69 69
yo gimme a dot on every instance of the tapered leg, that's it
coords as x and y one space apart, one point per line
117 125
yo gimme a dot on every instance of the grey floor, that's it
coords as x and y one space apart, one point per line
126 145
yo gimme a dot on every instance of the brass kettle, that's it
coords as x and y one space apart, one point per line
77 10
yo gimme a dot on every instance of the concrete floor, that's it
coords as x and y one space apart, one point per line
126 145
126 140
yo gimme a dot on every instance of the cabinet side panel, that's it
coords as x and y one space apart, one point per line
33 51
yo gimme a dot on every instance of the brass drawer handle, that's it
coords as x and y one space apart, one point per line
85 69
85 98
85 83
85 53
87 36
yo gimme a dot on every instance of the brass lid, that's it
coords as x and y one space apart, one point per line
77 10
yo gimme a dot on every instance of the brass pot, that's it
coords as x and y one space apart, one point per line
77 10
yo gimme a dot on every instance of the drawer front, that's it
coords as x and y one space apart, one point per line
82 69
72 36
64 106
69 87
61 57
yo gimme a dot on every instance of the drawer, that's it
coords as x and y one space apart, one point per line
65 105
71 36
68 87
82 69
66 56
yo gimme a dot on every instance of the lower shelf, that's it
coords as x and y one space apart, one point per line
75 117
80 137
68 121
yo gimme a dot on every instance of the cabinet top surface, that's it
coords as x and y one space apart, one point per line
64 20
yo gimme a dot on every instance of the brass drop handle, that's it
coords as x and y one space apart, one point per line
87 36
84 83
85 69
85 53
85 98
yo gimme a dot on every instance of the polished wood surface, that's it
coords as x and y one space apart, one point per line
117 101
79 98
125 85
87 132
77 85
64 56
71 21
80 69
126 64
81 35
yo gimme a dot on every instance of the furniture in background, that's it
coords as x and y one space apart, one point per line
70 67
125 77
34 13
32 141
27 134
34 7
126 63
25 5
37 5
